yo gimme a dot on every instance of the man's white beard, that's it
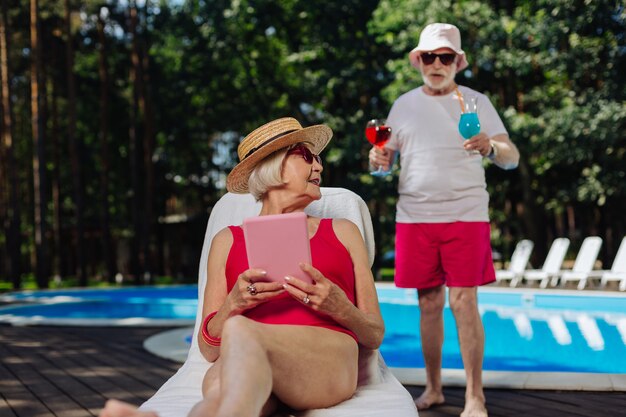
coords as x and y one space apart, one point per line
442 85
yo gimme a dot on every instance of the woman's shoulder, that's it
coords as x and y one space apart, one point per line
224 238
344 227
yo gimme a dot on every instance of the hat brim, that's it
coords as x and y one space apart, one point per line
414 56
318 136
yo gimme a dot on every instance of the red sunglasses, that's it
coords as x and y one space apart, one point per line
305 153
446 59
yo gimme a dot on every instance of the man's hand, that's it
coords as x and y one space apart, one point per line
380 158
480 143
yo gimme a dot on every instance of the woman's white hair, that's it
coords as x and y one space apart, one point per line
268 173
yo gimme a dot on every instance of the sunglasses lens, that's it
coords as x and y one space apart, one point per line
310 156
306 154
446 59
428 58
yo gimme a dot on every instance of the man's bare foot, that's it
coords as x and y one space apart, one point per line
429 398
115 408
474 407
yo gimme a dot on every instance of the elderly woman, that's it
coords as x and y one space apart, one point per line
294 343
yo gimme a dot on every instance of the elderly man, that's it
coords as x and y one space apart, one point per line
442 223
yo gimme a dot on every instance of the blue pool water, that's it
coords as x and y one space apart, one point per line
525 330
156 303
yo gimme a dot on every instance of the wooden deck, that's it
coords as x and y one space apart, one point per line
71 371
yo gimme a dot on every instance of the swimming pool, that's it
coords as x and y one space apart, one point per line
149 306
526 330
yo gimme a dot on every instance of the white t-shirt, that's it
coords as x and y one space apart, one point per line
440 182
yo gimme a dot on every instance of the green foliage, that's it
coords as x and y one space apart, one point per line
217 69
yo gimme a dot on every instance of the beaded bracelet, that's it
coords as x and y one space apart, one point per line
209 340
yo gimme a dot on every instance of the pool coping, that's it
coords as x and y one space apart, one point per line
570 381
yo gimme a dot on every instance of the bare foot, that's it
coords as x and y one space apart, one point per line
429 398
115 408
474 407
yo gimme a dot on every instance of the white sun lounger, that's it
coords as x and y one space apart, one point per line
585 260
552 265
517 266
379 393
618 269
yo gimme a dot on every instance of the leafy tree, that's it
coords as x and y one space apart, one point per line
207 72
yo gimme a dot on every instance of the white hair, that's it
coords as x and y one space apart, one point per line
267 174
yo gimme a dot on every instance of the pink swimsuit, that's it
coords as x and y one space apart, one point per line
329 256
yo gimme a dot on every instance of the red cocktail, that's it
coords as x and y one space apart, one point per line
378 134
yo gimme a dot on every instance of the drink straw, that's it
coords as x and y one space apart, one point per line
461 100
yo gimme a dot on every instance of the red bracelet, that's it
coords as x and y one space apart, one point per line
208 339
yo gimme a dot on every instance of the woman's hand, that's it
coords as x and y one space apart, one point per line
323 296
249 291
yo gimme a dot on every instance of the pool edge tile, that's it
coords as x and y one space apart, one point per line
570 381
573 381
505 379
618 381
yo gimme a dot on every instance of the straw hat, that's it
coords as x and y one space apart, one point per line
439 35
269 138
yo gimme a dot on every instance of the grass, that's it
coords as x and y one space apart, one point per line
28 282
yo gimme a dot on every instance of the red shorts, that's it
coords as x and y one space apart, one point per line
432 254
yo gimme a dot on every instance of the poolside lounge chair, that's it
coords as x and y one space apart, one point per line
519 260
618 270
379 393
583 265
552 265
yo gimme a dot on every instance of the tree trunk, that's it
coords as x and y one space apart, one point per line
57 262
148 150
4 202
39 162
105 221
137 257
79 208
12 229
143 113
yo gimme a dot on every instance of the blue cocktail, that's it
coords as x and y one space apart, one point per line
469 125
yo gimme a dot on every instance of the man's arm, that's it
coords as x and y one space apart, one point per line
503 153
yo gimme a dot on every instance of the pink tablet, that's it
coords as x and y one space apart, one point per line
278 244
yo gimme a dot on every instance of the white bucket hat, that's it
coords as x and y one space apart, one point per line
439 35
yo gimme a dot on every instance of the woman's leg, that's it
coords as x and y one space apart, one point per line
115 408
293 362
211 395
304 367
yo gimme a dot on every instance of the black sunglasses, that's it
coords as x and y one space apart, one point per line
305 153
446 59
